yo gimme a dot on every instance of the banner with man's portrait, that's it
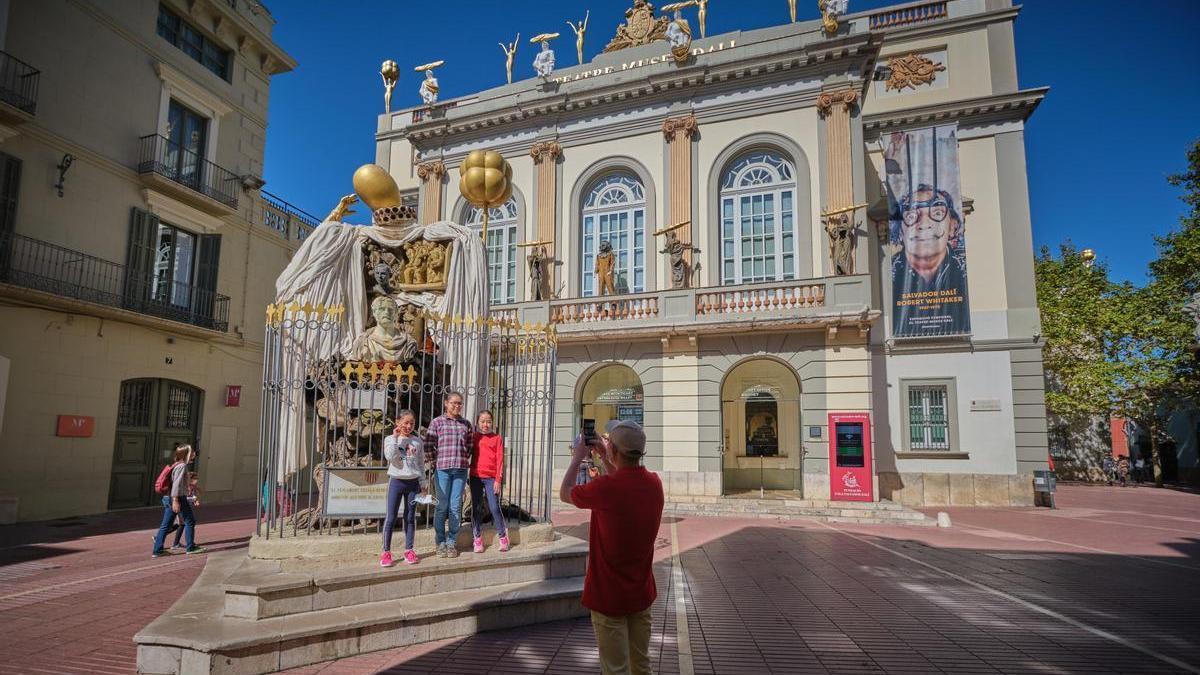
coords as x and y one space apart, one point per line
926 233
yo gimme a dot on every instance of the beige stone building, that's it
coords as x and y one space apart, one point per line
809 167
137 251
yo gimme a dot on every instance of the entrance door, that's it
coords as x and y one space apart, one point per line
152 417
760 428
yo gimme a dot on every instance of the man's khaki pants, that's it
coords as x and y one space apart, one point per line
624 643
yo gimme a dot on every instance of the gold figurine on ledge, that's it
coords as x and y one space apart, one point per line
792 10
580 30
703 5
390 72
510 53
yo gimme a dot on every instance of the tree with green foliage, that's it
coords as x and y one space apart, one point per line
1120 349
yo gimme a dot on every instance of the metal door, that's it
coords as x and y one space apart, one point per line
152 417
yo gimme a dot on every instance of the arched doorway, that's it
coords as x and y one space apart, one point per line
152 416
612 392
760 426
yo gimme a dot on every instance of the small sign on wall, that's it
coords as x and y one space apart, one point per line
985 405
233 396
76 426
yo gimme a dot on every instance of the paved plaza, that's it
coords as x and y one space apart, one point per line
1104 584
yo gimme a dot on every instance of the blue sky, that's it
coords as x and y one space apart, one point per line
1124 102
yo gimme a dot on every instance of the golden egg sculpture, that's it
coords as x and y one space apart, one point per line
486 179
376 187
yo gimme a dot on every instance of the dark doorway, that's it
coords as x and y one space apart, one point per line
153 415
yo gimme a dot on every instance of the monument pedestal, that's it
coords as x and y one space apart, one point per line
293 601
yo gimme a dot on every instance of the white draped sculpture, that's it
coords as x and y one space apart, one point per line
328 270
543 63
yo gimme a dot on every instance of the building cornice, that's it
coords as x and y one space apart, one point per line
1017 106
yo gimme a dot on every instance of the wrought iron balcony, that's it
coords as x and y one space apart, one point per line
42 266
18 84
162 158
290 221
829 301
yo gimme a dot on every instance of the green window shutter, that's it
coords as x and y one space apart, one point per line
139 258
208 264
10 187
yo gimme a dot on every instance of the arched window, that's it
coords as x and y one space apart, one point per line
758 237
614 210
613 392
501 249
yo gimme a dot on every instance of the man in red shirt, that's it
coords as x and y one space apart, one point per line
627 506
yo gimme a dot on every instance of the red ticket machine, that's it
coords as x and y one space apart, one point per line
850 475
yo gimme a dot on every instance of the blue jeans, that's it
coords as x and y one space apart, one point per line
480 486
407 490
450 484
189 523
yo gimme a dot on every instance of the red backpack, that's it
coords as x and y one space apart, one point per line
162 486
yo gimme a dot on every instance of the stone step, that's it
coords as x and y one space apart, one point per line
194 636
828 511
262 589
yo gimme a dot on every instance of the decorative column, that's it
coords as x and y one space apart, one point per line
431 174
679 132
545 156
838 215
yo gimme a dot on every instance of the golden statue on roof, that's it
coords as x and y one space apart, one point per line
641 27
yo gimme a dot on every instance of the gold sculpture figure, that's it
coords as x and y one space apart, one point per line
606 264
792 9
425 266
703 5
390 72
580 29
510 53
342 209
831 10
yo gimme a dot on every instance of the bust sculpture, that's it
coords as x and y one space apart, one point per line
387 340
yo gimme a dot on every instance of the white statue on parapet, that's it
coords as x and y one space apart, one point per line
679 33
543 63
429 86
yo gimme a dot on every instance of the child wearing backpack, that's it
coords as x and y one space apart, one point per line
487 468
172 484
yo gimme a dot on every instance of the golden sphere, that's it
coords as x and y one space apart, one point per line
1088 254
390 70
486 179
376 187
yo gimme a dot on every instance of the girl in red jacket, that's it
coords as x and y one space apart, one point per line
487 467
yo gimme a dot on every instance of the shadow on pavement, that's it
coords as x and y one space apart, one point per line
799 597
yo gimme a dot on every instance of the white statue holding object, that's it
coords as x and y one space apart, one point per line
429 88
543 63
679 33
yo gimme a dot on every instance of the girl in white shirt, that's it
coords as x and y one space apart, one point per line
405 457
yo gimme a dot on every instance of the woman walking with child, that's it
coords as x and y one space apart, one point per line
404 453
175 502
487 468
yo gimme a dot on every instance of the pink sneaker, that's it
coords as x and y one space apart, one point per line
385 560
504 543
410 557
479 544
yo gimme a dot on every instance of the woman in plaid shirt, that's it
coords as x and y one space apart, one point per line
448 448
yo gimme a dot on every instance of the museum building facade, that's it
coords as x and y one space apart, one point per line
788 211
137 248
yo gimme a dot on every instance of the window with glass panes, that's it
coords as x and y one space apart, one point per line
501 249
928 417
758 237
188 39
174 264
615 211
